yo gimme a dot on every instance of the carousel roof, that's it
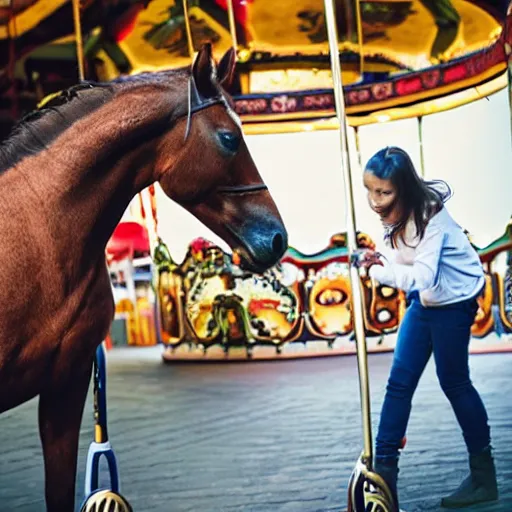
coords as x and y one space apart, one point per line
394 53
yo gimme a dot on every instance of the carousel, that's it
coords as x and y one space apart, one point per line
304 71
399 62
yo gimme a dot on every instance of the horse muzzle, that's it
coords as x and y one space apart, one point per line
260 245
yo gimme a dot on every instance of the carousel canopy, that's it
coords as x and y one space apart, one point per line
394 53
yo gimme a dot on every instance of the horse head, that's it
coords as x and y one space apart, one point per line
213 175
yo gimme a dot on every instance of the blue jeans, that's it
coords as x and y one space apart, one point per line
445 331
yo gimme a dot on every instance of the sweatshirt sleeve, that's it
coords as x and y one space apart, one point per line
422 274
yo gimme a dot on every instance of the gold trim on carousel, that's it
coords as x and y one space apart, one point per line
442 90
31 17
297 121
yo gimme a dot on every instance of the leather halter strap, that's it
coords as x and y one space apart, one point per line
242 189
196 103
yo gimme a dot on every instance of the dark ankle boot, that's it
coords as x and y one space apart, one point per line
479 486
387 468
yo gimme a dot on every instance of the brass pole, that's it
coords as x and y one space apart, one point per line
360 36
188 30
420 139
12 35
78 40
357 296
508 54
358 147
232 25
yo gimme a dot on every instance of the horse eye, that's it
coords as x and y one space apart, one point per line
229 141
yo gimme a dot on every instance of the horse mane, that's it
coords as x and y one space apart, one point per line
39 128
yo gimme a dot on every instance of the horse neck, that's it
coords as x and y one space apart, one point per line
90 173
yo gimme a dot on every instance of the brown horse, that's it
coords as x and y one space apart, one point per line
68 172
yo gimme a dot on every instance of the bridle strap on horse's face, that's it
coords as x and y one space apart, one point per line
242 189
196 103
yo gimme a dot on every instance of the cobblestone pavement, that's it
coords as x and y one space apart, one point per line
259 437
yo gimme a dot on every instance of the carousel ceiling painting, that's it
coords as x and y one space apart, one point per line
394 53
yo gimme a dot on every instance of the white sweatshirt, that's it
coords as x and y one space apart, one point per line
443 267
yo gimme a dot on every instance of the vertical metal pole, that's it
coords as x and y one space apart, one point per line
358 147
508 54
360 41
420 139
149 219
78 39
12 35
357 296
188 30
232 25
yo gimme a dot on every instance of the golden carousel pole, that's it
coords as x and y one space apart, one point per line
508 56
358 147
242 54
190 42
232 25
420 139
351 227
359 23
78 39
365 487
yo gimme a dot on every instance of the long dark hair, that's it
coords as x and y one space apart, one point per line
417 197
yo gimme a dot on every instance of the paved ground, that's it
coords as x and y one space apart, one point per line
259 437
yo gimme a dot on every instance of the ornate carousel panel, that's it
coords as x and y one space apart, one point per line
394 53
210 309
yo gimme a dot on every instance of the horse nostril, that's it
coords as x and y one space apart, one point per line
278 244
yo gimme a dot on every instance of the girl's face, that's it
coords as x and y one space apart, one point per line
382 196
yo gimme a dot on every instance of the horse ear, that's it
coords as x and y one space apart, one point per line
226 68
204 71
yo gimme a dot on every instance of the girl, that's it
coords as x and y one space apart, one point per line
440 272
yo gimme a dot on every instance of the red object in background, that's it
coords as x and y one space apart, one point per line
125 24
108 342
200 244
240 9
128 238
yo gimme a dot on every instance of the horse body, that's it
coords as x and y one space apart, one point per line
56 285
68 177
